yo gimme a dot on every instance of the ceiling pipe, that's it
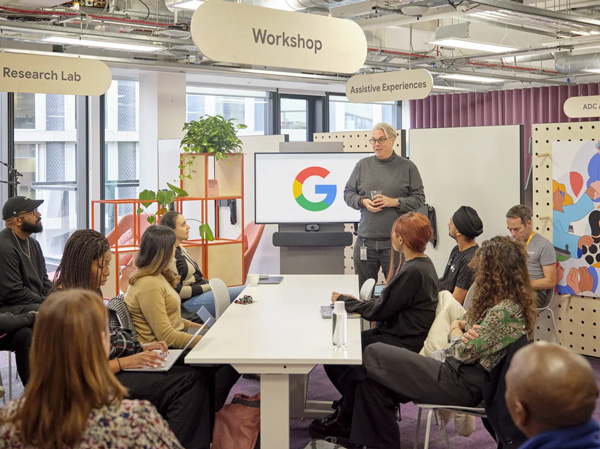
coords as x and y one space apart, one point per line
567 63
528 58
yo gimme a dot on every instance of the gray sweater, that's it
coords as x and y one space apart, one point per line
396 177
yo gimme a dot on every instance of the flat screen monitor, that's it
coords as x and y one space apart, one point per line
303 187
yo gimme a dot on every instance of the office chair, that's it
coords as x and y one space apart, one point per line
365 294
546 308
222 299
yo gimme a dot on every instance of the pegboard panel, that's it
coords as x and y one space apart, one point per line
577 317
357 141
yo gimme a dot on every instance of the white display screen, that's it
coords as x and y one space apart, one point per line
303 187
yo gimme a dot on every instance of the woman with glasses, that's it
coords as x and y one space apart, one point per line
382 187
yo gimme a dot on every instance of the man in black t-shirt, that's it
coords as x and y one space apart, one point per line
463 227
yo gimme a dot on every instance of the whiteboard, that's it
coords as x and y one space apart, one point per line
479 167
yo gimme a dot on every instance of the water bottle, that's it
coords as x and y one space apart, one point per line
340 324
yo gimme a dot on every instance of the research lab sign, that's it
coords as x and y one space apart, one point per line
579 107
244 34
53 75
389 86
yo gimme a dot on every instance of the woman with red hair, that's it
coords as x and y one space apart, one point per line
406 308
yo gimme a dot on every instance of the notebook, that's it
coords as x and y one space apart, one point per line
264 279
171 357
327 311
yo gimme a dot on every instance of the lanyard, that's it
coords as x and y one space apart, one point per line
529 239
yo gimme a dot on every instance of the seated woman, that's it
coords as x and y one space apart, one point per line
154 304
71 342
503 310
86 264
194 290
406 307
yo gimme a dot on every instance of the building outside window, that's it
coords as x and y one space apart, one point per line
346 116
247 107
45 153
121 147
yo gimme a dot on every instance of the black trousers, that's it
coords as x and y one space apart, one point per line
392 375
336 373
19 342
181 396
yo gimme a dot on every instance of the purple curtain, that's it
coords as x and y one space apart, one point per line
504 107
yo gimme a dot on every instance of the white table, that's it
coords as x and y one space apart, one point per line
282 333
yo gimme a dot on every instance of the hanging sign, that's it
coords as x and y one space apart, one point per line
389 86
578 107
246 34
53 75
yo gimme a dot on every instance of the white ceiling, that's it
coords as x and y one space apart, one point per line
563 36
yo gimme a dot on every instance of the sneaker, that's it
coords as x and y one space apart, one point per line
331 427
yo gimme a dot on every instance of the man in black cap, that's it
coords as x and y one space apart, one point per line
463 227
24 280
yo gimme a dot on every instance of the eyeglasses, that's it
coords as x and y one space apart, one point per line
34 212
374 141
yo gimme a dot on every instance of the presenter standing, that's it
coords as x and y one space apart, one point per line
382 187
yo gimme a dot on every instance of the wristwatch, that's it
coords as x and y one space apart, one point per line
398 202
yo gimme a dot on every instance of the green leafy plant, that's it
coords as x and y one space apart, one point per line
212 134
164 198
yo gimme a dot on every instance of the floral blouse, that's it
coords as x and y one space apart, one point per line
501 325
132 424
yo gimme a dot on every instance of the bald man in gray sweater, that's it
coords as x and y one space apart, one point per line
382 187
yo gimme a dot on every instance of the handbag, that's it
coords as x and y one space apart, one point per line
237 425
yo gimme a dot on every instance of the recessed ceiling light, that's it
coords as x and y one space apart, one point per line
472 78
470 45
103 44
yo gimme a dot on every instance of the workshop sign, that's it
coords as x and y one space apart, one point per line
53 75
579 107
245 34
389 86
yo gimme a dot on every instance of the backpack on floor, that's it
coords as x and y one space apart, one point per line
237 425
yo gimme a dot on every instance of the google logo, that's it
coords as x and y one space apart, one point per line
329 190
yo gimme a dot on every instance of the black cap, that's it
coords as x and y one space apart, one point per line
18 204
467 222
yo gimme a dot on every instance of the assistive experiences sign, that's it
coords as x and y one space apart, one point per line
53 75
578 107
389 86
271 37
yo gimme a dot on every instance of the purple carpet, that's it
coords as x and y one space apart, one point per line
320 388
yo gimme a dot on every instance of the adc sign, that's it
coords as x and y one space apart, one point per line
246 34
578 107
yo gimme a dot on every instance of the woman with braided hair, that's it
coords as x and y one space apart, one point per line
178 393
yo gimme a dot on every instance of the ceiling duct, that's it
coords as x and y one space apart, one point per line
567 63
523 59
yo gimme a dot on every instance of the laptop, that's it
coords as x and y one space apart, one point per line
327 312
171 357
206 318
266 279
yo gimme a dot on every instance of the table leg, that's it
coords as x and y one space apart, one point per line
274 411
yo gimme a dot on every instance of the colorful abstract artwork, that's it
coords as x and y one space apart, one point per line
576 217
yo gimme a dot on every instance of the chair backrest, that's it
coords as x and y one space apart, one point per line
253 233
469 297
367 289
126 223
118 309
221 294
548 297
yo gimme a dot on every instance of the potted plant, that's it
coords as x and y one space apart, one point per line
210 134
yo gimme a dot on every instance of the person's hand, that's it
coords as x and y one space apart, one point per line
573 280
458 323
585 240
158 345
382 201
370 205
586 280
335 296
471 334
150 359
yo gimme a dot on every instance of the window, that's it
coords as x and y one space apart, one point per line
121 174
247 107
45 153
346 116
294 118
